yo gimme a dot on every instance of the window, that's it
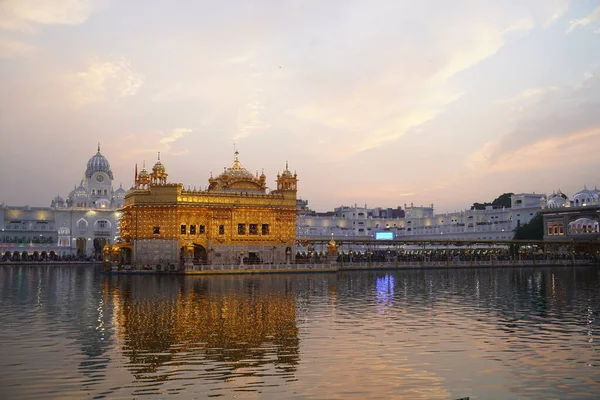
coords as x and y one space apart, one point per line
156 230
253 229
265 229
241 229
93 192
201 229
183 229
105 191
192 229
221 229
102 224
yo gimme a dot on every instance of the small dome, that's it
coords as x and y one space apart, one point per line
80 191
59 199
585 197
64 231
143 175
120 191
98 163
158 168
557 200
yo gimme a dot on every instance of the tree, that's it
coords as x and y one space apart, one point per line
533 230
501 201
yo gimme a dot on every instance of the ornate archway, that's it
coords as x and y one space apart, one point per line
81 246
200 255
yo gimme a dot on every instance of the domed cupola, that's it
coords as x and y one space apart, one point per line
585 197
557 200
120 192
98 163
142 179
543 201
58 202
159 174
237 178
286 181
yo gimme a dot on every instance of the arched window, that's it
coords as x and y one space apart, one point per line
82 225
102 225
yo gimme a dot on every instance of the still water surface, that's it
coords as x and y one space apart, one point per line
71 332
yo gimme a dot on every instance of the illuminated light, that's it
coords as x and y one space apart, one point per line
384 235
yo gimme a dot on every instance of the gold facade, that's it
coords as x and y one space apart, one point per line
234 219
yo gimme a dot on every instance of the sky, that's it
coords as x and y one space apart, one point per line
381 103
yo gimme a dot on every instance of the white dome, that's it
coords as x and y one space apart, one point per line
120 192
557 200
585 197
80 191
98 163
64 231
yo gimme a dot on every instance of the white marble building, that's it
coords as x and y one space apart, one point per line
421 222
577 219
79 225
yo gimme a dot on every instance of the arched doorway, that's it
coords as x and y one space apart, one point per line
99 244
126 255
200 256
81 247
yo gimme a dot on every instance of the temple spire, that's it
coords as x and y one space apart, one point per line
98 147
159 156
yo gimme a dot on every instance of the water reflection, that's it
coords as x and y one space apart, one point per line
213 328
71 332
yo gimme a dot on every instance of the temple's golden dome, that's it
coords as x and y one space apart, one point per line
143 175
236 178
158 168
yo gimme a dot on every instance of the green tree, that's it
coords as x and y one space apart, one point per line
501 201
533 230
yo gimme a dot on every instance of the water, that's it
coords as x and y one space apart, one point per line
71 332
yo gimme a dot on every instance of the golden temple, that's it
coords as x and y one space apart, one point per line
236 220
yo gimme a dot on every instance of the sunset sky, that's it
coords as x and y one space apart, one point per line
381 102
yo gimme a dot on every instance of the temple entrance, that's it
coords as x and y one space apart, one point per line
81 247
200 256
99 244
126 256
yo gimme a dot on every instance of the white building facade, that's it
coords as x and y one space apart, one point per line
78 226
577 219
421 222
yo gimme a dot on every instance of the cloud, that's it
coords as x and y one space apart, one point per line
103 80
400 93
173 136
27 15
594 16
10 48
528 94
552 152
552 124
151 142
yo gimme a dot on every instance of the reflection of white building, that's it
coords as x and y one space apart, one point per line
422 222
576 219
80 225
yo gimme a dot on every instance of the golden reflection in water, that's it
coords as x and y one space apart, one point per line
224 325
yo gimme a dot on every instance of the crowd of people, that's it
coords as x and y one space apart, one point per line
442 255
46 257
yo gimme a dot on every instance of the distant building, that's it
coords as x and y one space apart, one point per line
568 220
79 225
421 222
